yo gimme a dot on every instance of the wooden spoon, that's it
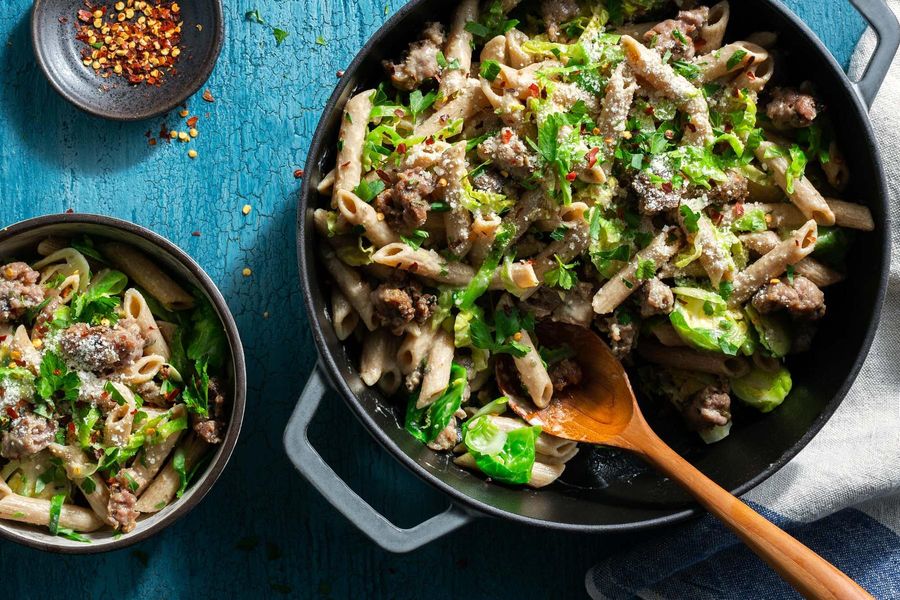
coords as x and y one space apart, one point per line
603 410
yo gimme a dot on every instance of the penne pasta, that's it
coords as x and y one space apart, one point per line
436 375
147 275
687 359
533 373
348 169
623 283
803 194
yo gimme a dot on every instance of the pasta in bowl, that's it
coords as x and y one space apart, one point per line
590 164
121 383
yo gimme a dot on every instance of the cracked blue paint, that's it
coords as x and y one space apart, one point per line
262 531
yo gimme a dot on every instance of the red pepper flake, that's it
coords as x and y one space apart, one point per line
141 45
383 176
298 173
192 122
691 126
171 395
340 73
571 176
3 337
207 95
429 140
649 110
738 209
535 90
401 148
152 141
69 211
12 412
506 135
196 233
71 427
667 187
750 75
399 113
592 157
716 216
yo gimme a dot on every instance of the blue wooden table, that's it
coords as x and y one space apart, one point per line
262 531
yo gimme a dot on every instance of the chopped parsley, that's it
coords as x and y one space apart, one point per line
686 69
492 22
646 269
280 35
416 239
321 41
502 341
419 103
55 381
562 275
368 190
790 274
559 233
735 59
690 218
490 69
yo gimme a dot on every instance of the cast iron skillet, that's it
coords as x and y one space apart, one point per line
604 490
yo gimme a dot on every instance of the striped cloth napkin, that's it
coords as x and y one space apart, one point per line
840 495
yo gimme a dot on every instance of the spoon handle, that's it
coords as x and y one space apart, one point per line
806 571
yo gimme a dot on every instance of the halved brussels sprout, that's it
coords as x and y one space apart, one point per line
703 320
763 390
773 329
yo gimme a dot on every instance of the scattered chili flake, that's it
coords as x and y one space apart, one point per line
571 176
71 427
152 141
738 209
506 136
340 73
69 211
12 412
298 173
192 122
207 95
136 40
401 148
535 90
667 187
196 233
592 156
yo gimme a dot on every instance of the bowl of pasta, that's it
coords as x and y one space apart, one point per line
122 383
679 177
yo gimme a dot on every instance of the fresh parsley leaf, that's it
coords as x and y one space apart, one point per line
56 504
678 35
416 239
490 69
646 269
196 393
368 190
281 35
562 275
796 168
559 233
419 103
686 69
321 41
690 218
253 16
441 60
101 299
790 274
55 380
492 22
206 340
735 59
726 288
506 325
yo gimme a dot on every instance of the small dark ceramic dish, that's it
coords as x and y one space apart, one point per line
20 240
53 28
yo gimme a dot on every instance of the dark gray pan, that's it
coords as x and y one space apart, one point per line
604 490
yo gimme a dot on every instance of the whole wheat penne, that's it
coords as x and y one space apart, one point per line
772 264
688 359
623 283
164 487
348 169
147 275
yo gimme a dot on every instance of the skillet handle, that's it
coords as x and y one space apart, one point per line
314 468
884 23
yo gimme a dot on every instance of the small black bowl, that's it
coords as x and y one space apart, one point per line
53 28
